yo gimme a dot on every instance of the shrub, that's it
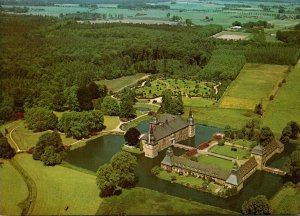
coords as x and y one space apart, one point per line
271 97
233 149
221 142
156 170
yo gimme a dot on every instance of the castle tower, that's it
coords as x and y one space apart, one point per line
191 123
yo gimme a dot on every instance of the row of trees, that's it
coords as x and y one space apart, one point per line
251 131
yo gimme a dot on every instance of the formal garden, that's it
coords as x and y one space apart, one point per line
190 88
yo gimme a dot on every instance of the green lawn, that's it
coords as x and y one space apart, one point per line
216 162
246 143
183 87
120 83
149 106
197 102
13 189
226 150
220 117
286 201
254 83
184 180
143 201
286 104
58 187
135 122
132 150
111 122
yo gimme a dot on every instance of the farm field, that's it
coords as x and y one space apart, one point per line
120 83
216 162
189 87
15 193
226 150
231 35
220 117
287 200
286 104
254 83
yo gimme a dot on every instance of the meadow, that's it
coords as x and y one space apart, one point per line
286 105
287 200
255 82
118 84
183 87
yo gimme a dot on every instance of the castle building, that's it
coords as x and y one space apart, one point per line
165 131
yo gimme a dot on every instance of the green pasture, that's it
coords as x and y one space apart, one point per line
226 150
215 162
13 189
254 83
286 105
142 201
197 102
120 83
178 87
58 187
286 200
220 117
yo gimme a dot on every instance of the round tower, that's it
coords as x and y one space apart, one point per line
191 124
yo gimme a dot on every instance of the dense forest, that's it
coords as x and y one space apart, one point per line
47 62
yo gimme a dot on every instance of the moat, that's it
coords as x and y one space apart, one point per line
99 151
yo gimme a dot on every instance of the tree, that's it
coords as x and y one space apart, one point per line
40 119
50 157
266 136
236 23
94 90
107 180
6 151
295 129
55 150
84 98
70 95
124 164
110 106
188 22
132 136
6 113
102 91
258 205
292 166
126 109
258 108
286 134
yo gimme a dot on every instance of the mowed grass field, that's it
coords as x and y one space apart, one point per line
13 189
287 200
286 105
197 102
58 187
216 162
254 83
120 83
226 150
142 201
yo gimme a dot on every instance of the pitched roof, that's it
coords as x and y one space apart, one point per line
259 150
268 149
195 167
237 176
168 124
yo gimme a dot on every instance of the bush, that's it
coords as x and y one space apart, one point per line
156 170
6 151
173 178
194 158
271 97
221 142
233 149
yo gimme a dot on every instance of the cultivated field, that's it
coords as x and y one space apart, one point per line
182 87
231 35
254 83
286 105
120 83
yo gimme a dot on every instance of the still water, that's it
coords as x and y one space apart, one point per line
99 151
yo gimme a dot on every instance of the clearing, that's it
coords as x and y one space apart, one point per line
286 105
254 83
120 83
231 35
